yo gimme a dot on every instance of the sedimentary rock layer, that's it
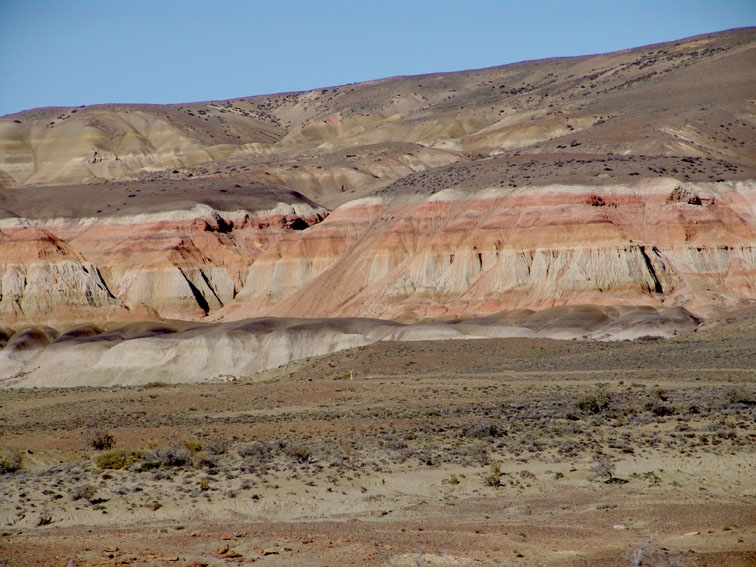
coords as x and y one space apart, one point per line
460 253
617 179
175 265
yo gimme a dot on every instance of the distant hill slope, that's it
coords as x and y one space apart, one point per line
620 179
688 98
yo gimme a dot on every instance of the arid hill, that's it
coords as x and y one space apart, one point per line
618 180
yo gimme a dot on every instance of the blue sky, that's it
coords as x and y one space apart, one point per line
74 52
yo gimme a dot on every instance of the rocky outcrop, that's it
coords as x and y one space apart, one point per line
174 265
455 253
460 253
42 278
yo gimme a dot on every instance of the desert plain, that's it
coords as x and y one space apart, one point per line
486 452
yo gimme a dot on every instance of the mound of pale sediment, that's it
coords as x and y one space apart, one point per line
179 352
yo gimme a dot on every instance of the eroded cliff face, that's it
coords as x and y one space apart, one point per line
454 253
44 278
461 254
173 265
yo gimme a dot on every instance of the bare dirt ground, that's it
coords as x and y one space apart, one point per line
488 452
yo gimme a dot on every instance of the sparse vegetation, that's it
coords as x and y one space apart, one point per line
83 492
119 459
460 437
11 461
594 402
101 440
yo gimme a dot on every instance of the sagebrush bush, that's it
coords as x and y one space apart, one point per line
604 467
83 492
259 453
216 447
738 395
101 440
10 461
173 456
594 402
118 459
484 430
299 453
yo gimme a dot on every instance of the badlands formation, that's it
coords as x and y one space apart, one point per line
604 197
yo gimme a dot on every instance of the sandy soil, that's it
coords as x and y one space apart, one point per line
489 452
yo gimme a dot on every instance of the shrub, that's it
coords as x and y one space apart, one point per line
493 478
173 456
484 430
662 410
10 461
101 440
258 452
738 395
661 393
84 492
205 461
594 402
193 446
217 447
604 467
299 453
113 460
149 385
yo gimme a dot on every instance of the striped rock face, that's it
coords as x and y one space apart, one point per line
171 265
462 254
624 179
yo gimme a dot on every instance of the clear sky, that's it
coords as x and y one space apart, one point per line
74 52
